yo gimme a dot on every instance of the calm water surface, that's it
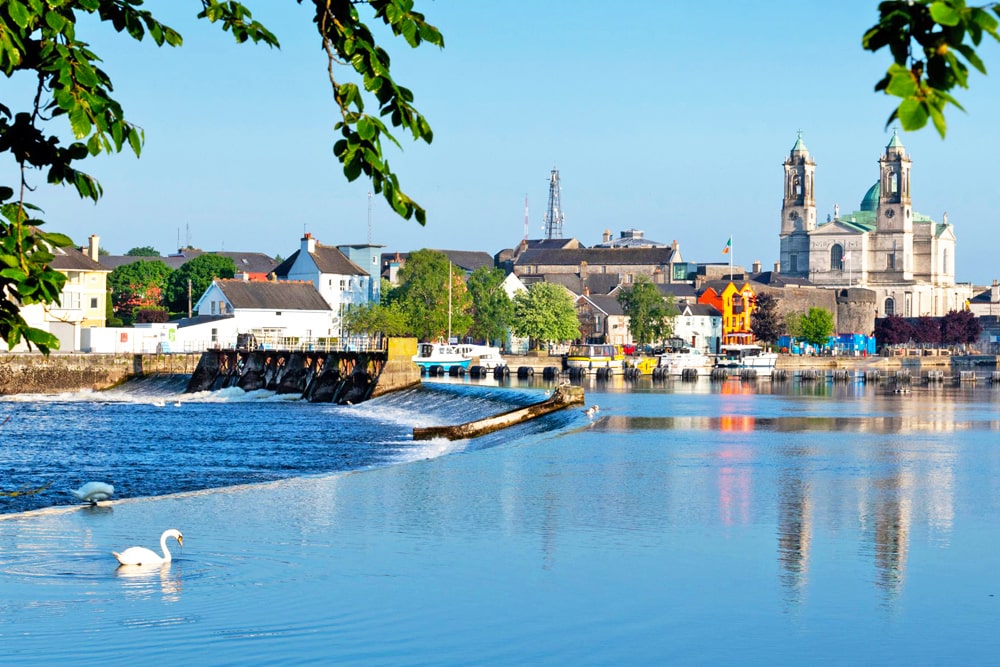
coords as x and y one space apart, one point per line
690 523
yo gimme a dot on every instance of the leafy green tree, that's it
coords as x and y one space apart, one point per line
928 40
545 313
201 271
424 297
816 326
137 285
650 314
44 41
765 322
143 251
492 309
375 318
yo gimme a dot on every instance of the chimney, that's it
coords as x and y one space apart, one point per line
606 236
777 267
94 247
756 266
995 291
308 243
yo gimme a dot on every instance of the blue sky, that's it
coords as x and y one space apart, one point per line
673 118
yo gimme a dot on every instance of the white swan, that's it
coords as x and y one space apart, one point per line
91 492
144 556
177 404
159 404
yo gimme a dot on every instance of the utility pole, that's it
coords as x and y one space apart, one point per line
189 298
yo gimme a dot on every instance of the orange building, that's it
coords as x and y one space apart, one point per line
737 305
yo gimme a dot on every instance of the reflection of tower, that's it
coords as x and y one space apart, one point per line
795 529
554 213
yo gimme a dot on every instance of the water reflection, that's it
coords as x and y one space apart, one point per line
145 581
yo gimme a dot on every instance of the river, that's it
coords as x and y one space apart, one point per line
686 522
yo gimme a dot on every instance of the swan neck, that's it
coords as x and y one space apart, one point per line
163 547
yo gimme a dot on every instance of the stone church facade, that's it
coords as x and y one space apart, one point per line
905 258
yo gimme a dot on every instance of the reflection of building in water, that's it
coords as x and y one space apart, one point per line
795 530
735 485
891 514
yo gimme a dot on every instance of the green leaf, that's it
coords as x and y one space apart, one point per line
365 128
19 13
901 82
938 118
79 121
945 14
912 114
6 193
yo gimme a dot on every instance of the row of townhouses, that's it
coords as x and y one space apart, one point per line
882 259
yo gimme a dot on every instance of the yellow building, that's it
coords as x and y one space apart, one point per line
83 301
736 305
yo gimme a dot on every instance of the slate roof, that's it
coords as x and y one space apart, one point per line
773 279
606 303
597 283
247 262
699 309
71 259
677 290
595 256
328 259
114 261
271 295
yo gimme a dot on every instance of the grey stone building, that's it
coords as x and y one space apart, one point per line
907 259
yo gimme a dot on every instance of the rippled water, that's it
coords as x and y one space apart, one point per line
691 523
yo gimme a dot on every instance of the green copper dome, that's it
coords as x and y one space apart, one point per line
870 202
800 146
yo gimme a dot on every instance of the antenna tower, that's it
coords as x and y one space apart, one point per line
525 217
554 213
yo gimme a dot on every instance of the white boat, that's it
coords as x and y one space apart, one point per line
487 356
444 355
739 357
677 360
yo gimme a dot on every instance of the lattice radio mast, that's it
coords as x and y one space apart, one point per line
525 217
554 214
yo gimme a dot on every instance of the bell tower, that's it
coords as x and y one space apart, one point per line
798 210
895 211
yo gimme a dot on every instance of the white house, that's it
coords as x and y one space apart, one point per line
279 314
699 325
338 280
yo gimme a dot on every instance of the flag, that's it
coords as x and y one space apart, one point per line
847 256
729 246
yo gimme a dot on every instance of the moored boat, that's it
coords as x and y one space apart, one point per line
591 358
445 355
681 357
739 357
487 356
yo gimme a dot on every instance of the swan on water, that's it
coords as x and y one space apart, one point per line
144 556
591 411
91 492
159 404
177 404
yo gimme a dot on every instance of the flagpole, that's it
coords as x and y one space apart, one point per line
731 253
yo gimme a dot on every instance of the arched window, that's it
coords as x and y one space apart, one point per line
837 257
890 307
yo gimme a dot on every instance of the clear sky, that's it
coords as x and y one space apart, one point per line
669 117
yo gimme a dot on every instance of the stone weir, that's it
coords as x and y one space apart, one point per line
341 376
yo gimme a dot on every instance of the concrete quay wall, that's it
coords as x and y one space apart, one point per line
33 373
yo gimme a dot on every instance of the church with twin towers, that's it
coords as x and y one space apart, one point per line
907 259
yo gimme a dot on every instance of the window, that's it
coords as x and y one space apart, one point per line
343 284
890 261
944 262
890 307
93 300
837 257
793 262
